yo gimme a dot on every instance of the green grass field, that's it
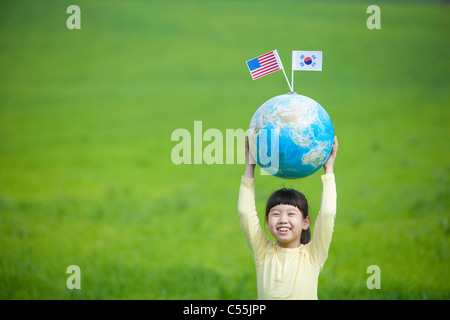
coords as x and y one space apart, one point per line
86 117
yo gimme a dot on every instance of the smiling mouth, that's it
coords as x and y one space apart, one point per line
283 230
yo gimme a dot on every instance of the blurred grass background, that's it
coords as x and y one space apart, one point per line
86 118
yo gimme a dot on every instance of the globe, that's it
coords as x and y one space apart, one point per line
291 136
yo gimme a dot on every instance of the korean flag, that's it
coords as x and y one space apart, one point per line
307 60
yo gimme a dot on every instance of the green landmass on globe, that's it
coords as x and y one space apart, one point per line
291 136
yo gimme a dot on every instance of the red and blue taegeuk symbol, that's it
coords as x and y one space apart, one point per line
307 60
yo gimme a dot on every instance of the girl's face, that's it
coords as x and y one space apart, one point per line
285 223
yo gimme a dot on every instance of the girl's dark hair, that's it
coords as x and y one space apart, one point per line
294 198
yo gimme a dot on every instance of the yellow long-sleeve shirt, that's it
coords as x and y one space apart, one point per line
287 273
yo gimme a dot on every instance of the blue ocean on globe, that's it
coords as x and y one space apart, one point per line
291 136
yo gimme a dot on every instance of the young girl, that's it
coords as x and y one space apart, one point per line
288 268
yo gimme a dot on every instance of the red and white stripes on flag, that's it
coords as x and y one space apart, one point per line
264 64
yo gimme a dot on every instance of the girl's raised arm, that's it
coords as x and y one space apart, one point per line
250 225
249 163
328 166
323 228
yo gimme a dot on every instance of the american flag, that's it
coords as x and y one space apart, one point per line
264 64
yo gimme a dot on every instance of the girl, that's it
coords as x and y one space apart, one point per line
288 268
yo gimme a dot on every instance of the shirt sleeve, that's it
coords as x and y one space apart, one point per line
250 225
323 228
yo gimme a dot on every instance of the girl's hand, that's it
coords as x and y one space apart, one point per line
328 166
250 163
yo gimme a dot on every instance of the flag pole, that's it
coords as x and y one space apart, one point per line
290 87
282 68
292 80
